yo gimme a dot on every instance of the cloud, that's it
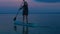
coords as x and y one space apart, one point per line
48 1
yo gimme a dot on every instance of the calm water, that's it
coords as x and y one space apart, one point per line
50 24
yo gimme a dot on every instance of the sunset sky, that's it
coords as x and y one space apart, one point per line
11 6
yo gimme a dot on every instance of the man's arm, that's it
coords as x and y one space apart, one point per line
20 8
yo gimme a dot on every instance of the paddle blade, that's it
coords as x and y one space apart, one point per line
14 19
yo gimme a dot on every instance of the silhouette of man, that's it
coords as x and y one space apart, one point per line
25 14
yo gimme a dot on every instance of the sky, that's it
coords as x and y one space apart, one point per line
35 6
53 1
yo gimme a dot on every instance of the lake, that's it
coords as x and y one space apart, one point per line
50 24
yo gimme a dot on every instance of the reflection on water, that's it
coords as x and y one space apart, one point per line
49 23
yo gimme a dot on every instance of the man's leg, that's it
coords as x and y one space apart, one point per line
26 23
23 26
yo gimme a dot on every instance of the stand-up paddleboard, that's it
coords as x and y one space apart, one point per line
21 24
29 24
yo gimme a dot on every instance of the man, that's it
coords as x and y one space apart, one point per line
25 14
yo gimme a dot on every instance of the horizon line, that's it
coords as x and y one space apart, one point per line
35 13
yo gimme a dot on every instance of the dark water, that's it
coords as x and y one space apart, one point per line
50 24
